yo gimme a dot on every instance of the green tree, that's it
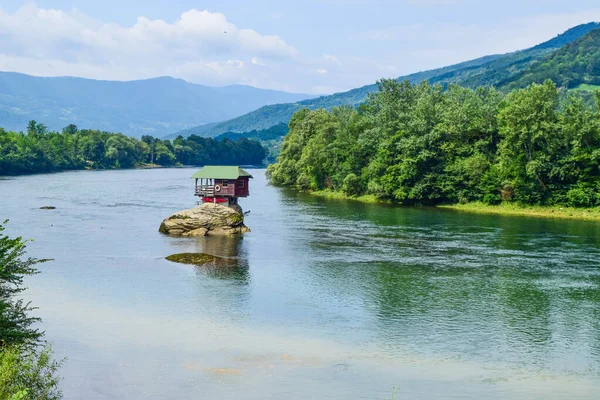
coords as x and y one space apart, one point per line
164 155
70 129
531 140
15 324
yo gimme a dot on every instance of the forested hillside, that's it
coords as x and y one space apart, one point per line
156 107
42 150
271 133
421 144
575 64
495 70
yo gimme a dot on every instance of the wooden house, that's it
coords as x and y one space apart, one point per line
220 184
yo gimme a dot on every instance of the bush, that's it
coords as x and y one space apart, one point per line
491 199
27 374
351 185
581 196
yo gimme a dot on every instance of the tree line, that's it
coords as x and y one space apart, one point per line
41 150
423 145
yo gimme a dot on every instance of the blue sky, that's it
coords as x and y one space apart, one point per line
311 46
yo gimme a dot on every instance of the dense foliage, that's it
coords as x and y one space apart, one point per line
574 64
40 150
28 374
493 70
420 144
27 371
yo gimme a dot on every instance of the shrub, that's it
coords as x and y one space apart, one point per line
581 196
28 374
491 199
351 185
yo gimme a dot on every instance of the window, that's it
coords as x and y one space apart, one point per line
240 184
224 183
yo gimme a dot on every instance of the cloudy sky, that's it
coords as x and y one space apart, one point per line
308 46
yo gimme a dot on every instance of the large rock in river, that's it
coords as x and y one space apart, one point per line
206 219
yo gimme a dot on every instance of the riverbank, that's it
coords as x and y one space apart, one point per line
367 198
557 212
137 166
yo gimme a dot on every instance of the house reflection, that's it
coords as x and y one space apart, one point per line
234 263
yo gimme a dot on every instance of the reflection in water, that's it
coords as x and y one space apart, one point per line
456 285
230 247
325 299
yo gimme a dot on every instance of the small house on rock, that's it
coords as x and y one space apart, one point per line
221 184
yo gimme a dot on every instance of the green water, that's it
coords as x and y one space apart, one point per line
328 299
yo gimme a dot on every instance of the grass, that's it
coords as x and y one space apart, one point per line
367 198
556 212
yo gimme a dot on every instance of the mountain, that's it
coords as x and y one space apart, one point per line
574 65
496 70
263 135
157 106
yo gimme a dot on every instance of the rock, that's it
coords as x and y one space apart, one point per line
48 208
206 219
199 259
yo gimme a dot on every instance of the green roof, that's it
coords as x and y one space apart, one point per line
220 172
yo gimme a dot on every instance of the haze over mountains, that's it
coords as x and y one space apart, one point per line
158 106
512 70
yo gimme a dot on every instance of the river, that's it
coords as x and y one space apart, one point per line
328 299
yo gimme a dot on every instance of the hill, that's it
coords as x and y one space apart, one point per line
271 133
494 70
575 65
156 106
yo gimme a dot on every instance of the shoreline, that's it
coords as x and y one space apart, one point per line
504 209
136 167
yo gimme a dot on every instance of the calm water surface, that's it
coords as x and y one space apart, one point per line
328 300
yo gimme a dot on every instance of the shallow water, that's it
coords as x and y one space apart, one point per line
328 299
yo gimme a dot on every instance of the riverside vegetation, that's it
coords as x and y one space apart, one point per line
423 145
27 368
41 150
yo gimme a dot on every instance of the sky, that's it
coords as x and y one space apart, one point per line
308 46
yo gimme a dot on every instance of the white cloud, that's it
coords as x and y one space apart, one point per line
330 58
205 47
235 63
198 46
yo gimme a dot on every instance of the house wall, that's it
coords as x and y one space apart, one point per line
227 187
242 191
230 187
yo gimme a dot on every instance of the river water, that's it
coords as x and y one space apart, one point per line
328 299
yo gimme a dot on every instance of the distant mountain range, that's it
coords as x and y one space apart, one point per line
157 107
505 71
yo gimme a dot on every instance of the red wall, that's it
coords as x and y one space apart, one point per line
242 191
233 188
228 190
